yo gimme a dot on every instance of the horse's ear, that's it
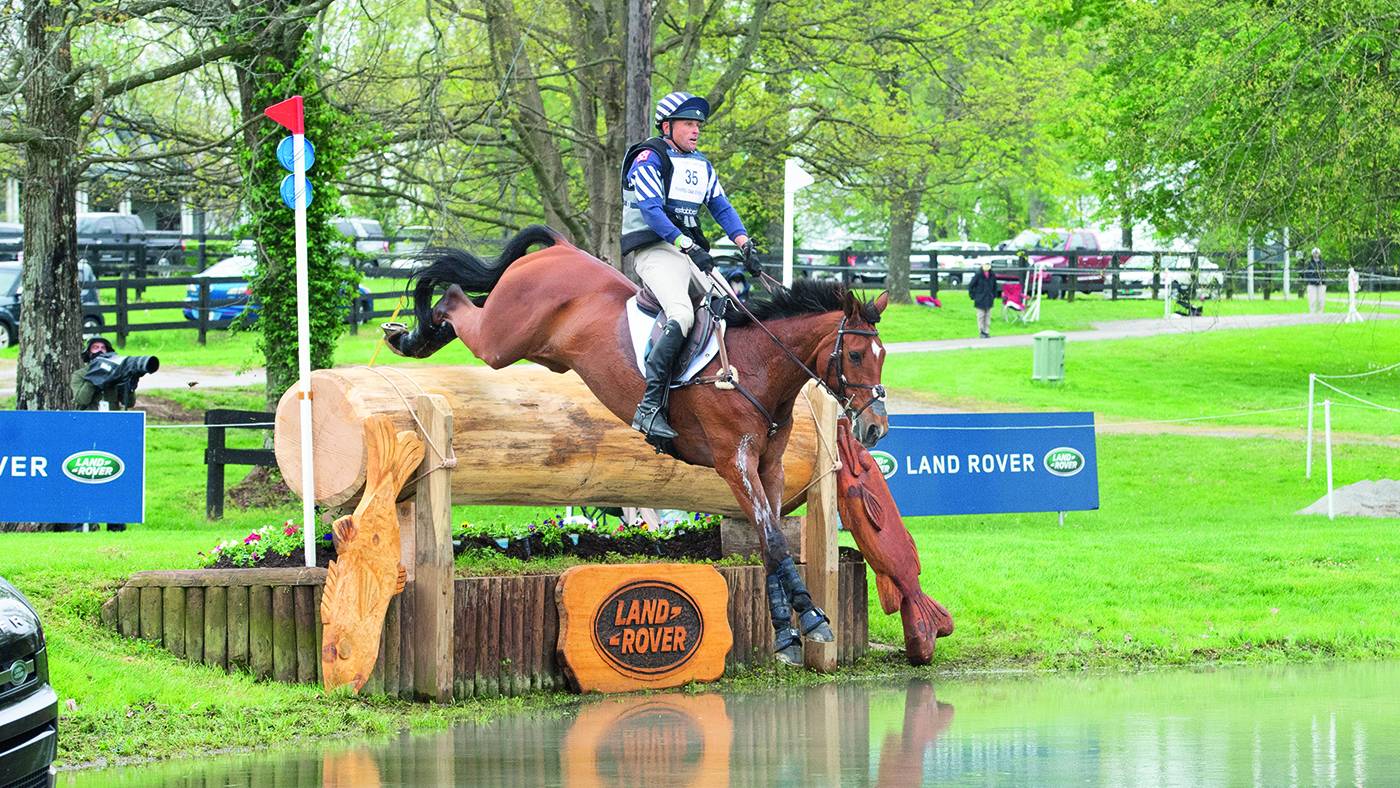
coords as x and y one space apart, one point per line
849 304
882 302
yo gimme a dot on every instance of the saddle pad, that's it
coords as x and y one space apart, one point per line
639 324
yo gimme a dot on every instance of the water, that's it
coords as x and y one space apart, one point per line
1335 725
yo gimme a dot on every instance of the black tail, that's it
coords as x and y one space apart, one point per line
447 266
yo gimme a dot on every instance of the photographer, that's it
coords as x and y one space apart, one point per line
87 396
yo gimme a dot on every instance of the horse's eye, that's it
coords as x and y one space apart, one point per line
854 355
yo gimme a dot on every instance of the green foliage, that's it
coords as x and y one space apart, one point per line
329 282
283 540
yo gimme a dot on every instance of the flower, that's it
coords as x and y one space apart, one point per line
252 537
290 531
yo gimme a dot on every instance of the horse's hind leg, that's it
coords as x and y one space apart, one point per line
490 340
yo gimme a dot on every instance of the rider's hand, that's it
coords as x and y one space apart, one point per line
751 263
702 259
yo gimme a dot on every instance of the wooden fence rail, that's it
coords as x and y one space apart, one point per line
268 622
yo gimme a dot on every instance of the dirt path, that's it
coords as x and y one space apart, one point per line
1133 329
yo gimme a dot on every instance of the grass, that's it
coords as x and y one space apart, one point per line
1177 376
1194 555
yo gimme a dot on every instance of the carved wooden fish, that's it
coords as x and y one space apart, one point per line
868 511
367 571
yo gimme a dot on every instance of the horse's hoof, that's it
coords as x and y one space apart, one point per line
815 626
393 335
792 655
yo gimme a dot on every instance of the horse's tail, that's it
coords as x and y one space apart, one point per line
447 266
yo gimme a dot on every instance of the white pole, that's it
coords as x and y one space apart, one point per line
1312 386
308 474
1249 275
1286 261
794 179
1327 430
1166 293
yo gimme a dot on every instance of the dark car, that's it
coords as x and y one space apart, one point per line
28 705
109 241
10 292
11 240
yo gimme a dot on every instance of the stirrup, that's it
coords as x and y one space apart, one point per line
787 647
816 627
645 423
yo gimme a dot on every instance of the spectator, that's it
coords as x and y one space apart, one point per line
86 396
983 292
1315 279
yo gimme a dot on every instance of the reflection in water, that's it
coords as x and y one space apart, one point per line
1301 726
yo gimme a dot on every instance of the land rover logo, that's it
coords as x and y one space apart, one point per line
93 467
1064 461
651 745
647 628
888 464
18 673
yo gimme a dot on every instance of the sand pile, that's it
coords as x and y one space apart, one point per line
1363 499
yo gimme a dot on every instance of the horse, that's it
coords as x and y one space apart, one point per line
564 309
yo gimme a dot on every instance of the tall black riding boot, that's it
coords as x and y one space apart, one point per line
650 420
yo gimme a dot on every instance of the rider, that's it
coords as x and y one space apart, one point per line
665 180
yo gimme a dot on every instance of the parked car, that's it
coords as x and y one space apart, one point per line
1042 242
110 241
11 240
1136 279
28 705
369 240
235 271
11 291
948 258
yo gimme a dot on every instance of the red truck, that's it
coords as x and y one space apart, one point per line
1042 243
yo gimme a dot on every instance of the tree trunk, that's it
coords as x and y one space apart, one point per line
638 70
50 329
904 208
1126 237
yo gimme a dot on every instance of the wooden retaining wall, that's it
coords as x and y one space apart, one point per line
268 622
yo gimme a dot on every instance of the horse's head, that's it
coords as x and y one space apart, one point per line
853 368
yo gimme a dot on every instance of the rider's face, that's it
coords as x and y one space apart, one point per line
685 133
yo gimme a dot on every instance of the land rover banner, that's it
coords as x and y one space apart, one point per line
981 463
72 466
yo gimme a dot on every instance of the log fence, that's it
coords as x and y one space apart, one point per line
268 622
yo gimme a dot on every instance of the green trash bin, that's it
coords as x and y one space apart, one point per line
1048 363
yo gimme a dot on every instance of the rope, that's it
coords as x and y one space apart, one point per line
382 342
831 448
449 459
1358 399
1359 374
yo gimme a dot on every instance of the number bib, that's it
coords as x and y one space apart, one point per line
688 182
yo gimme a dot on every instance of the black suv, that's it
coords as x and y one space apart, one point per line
28 705
10 309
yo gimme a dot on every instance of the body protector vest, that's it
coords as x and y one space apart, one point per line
685 182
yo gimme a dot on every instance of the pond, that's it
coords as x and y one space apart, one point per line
1315 725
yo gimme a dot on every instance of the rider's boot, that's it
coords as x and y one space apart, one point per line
787 645
811 620
649 419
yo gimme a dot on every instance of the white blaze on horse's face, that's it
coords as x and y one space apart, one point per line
878 348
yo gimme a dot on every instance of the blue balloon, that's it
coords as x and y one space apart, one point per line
289 193
285 149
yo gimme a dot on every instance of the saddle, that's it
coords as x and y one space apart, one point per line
699 335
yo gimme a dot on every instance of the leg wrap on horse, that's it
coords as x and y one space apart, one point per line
811 620
650 418
421 342
787 645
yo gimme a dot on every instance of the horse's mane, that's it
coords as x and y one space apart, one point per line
806 297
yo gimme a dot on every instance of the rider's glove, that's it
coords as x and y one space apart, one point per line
702 259
751 263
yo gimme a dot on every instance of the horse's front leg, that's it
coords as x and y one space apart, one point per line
811 620
740 467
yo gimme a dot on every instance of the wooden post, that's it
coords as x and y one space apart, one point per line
175 620
194 624
433 589
151 613
308 651
820 534
260 631
237 628
284 635
216 626
129 611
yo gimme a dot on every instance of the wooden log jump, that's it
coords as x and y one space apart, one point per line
522 436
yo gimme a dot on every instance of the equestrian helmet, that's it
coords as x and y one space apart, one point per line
681 105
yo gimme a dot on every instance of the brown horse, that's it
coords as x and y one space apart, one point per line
564 309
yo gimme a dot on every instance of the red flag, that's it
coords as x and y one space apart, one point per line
289 114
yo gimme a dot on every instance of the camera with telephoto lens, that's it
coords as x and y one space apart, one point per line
110 371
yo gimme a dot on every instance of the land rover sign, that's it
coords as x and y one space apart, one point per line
72 466
982 463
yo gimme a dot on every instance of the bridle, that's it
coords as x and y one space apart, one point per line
838 361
